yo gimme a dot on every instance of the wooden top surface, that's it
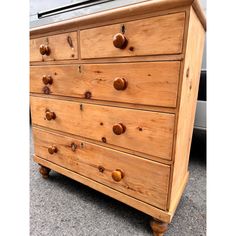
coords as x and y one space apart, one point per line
131 10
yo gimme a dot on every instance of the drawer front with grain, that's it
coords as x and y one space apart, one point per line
143 179
142 131
153 83
152 36
55 47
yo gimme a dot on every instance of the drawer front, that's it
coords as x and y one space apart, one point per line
151 36
142 131
153 83
100 164
53 48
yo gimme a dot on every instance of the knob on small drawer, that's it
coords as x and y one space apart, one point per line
47 79
120 41
120 83
119 129
44 49
50 115
117 175
52 149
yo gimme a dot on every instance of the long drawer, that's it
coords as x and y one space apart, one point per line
153 83
54 48
151 36
143 179
142 131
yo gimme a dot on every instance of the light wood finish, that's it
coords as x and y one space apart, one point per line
151 36
153 83
60 48
199 12
175 201
142 155
103 164
147 7
152 130
101 119
153 58
140 205
187 105
108 103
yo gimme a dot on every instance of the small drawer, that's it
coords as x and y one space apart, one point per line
54 48
142 179
147 132
153 83
151 36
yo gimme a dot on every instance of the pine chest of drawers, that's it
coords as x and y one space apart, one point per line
113 98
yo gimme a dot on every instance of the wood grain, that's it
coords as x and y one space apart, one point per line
147 132
187 105
146 7
98 163
153 83
59 47
140 205
151 36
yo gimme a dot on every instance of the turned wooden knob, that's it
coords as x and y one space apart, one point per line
117 175
47 79
120 41
120 83
52 149
44 49
50 115
119 129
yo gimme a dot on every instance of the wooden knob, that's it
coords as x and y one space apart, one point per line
47 79
44 49
120 41
119 129
120 83
52 149
50 115
117 175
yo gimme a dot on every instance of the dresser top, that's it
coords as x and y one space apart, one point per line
111 10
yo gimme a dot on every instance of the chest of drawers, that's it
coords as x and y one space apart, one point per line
113 98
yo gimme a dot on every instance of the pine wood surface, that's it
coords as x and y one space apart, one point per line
86 159
152 130
154 114
144 8
153 83
140 205
151 36
59 47
187 105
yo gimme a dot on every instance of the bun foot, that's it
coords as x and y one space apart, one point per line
44 171
158 227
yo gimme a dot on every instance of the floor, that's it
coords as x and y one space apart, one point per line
63 207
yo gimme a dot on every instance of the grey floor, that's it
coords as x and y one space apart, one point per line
61 206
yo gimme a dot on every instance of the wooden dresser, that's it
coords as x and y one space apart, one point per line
113 98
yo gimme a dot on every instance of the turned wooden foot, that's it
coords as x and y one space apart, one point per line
158 227
44 171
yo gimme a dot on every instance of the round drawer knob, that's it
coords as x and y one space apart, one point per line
117 175
44 49
47 79
50 115
120 41
120 83
52 149
118 129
